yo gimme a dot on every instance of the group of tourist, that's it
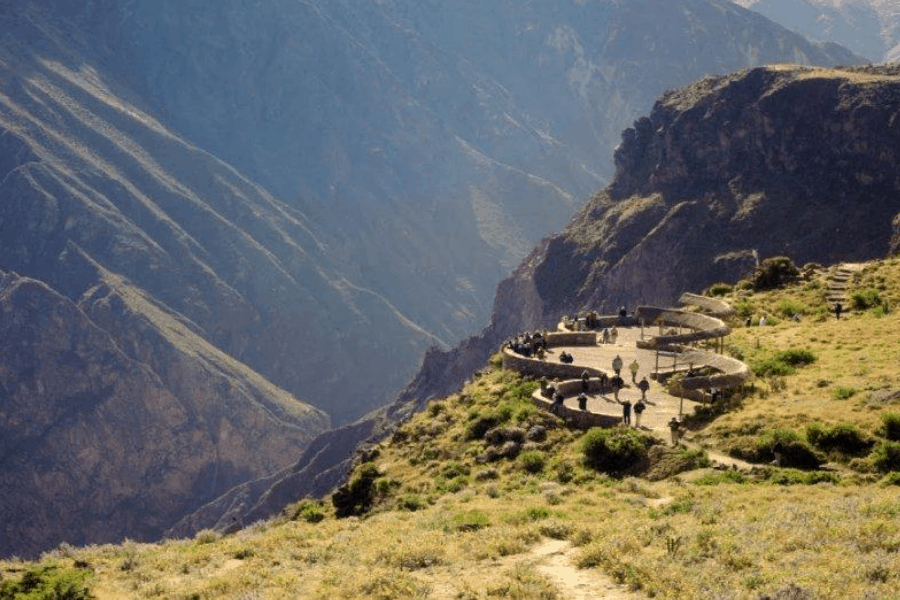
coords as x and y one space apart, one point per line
528 344
533 345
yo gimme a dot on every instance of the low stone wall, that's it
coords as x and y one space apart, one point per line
603 321
544 368
713 306
571 338
703 327
572 387
581 419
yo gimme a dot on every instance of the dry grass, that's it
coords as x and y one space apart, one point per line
446 524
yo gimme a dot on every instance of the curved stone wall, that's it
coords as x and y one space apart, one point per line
714 306
581 419
733 372
703 327
544 368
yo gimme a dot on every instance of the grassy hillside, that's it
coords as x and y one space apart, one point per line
463 501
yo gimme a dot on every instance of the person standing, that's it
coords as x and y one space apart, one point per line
613 335
638 411
582 402
585 382
617 364
644 385
626 412
837 311
617 384
634 367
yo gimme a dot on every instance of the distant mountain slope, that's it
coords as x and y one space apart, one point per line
770 161
431 144
141 277
870 28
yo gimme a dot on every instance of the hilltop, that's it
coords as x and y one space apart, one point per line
786 160
428 515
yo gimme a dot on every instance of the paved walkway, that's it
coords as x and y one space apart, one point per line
661 406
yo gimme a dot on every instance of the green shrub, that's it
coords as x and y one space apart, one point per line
482 423
771 366
795 452
843 438
719 289
892 478
863 299
843 393
773 273
532 461
309 511
615 451
48 583
794 477
782 363
789 308
796 357
729 476
356 497
412 502
468 521
886 457
890 426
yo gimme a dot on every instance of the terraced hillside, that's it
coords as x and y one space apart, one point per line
484 495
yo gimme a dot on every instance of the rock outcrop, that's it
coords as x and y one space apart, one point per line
770 161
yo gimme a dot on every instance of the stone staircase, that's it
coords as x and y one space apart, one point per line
838 282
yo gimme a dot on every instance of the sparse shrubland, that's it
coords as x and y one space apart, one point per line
456 502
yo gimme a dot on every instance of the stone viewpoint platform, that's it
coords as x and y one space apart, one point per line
663 341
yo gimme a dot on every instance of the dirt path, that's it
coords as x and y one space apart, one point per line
554 560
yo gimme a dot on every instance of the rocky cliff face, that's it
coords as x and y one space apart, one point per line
770 161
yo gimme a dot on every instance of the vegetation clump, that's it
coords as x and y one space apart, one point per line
842 438
616 451
773 273
48 583
356 497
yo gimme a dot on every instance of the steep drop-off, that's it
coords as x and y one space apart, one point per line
770 161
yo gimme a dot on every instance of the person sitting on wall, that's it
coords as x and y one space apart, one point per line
675 429
558 400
